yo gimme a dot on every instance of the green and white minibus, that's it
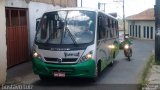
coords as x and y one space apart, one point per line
74 42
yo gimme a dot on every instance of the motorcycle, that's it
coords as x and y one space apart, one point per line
128 51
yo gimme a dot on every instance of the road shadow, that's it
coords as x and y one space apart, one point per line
126 59
65 82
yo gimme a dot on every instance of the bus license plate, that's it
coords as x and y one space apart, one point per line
59 74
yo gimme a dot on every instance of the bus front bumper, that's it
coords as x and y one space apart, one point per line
85 69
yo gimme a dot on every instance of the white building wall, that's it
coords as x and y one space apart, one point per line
146 23
16 3
142 24
3 49
36 10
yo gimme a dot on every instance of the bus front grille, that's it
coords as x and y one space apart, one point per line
63 60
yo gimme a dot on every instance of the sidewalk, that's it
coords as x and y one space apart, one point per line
20 74
153 78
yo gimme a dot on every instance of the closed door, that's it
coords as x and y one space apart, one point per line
16 36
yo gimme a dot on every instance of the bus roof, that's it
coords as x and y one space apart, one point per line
79 8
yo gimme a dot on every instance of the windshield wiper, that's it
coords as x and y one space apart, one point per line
70 34
67 29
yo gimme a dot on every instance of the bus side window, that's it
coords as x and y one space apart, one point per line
117 29
101 27
111 28
106 26
44 26
109 23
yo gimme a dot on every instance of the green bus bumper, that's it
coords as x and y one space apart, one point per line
85 69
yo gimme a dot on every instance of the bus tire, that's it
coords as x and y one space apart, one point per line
98 72
98 68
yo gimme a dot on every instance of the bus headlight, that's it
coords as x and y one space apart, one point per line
111 46
86 57
36 55
126 46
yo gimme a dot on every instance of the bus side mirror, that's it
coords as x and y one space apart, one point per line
37 23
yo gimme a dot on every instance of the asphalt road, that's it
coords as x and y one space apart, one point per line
128 72
123 75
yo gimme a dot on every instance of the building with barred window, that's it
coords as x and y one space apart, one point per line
142 25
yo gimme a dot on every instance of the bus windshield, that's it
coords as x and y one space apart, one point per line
66 27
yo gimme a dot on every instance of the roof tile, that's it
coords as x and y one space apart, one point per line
145 15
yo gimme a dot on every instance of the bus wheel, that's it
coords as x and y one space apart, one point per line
98 68
98 72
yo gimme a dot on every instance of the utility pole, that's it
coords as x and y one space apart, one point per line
157 31
124 23
81 2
